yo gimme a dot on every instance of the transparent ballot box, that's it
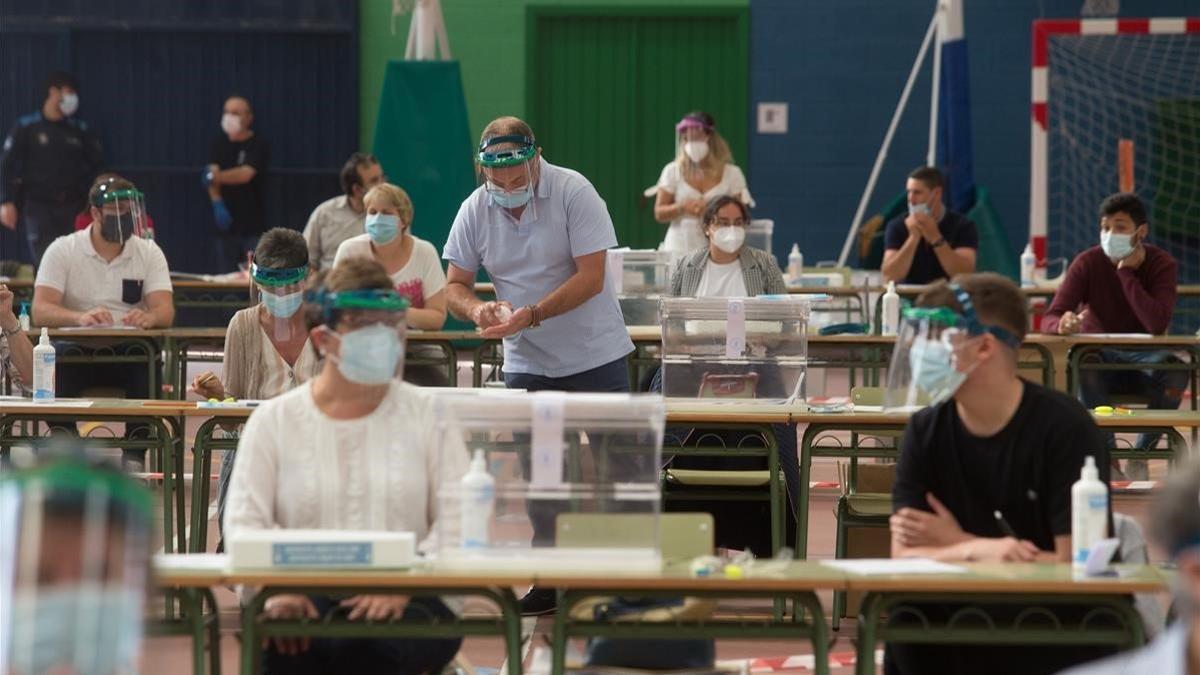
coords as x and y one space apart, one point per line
735 350
639 278
549 481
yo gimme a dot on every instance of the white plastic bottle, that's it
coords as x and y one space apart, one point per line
889 309
478 497
1028 266
1089 513
43 369
795 267
24 317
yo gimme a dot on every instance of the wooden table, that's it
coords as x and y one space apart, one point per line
165 439
892 607
891 424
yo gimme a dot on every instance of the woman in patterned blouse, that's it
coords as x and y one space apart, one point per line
16 352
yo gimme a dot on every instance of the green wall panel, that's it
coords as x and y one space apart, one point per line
607 85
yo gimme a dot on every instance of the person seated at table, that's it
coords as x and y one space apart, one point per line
267 346
106 276
726 267
414 266
16 351
931 242
350 449
1175 526
339 218
1124 285
84 217
989 442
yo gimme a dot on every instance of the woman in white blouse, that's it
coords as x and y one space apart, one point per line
352 449
414 267
702 170
412 263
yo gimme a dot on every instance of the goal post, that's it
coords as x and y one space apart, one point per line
1115 106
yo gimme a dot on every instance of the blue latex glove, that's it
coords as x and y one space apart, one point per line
222 216
206 177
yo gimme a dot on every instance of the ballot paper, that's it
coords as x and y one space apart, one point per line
886 566
191 562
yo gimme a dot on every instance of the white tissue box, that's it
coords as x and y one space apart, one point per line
322 548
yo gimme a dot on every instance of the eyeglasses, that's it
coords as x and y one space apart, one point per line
725 222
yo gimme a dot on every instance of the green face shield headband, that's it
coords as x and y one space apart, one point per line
525 150
363 299
67 477
966 321
109 196
276 277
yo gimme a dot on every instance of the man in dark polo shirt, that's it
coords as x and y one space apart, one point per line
931 242
1124 285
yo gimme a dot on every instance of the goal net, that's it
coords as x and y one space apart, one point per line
1117 102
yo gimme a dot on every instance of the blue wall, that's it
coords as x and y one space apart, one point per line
153 75
841 66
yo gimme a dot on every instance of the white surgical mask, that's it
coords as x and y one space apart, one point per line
1116 246
230 123
88 630
696 150
283 306
69 103
729 238
370 355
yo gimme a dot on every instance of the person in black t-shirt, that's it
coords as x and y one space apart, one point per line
931 242
235 178
997 443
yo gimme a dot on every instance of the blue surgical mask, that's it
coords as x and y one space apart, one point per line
370 355
1116 246
283 306
89 630
383 227
510 200
932 366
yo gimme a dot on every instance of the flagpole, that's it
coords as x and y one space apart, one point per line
887 140
939 15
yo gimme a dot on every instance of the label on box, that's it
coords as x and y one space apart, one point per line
735 329
616 270
547 441
322 554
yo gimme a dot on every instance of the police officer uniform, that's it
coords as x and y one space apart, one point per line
46 169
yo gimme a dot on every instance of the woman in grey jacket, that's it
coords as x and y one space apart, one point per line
729 268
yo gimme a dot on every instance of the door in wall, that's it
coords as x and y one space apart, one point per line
606 86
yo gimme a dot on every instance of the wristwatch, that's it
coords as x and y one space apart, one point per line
941 241
535 315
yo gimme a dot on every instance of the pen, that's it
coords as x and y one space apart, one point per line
1003 524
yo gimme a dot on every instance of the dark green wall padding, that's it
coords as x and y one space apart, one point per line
424 144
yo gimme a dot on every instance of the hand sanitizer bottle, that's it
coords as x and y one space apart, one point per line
43 369
478 497
889 309
1089 513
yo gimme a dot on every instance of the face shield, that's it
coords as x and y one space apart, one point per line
281 292
509 168
365 330
692 136
74 551
122 214
927 364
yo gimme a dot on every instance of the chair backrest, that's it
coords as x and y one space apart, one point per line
866 395
683 536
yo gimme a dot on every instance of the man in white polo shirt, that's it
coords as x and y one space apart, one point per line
105 275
